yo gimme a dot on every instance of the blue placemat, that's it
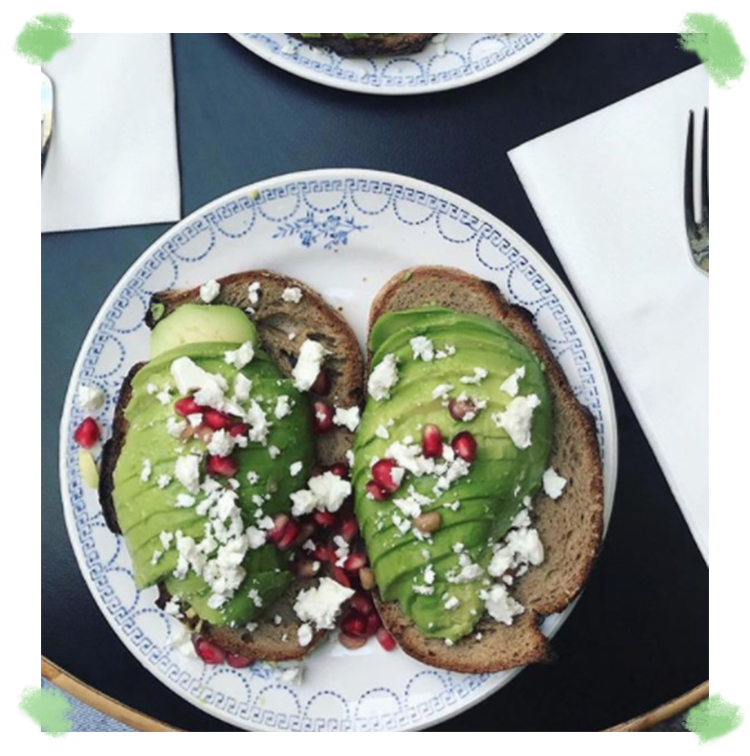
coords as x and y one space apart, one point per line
84 718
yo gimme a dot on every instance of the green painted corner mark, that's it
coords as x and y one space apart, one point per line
713 42
49 709
713 718
44 36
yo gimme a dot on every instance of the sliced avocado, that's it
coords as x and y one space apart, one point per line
194 323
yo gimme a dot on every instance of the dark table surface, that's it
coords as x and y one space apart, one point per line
639 636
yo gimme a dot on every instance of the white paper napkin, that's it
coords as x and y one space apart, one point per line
608 191
113 156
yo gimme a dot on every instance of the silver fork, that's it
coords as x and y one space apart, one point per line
697 232
48 104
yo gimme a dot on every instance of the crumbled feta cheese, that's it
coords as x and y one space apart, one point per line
283 407
172 607
295 469
175 427
163 481
423 590
501 606
479 375
452 603
242 387
383 378
348 418
516 420
258 421
156 557
423 349
221 444
253 478
166 539
350 457
255 597
90 399
274 452
185 501
253 293
240 357
321 605
308 365
382 432
187 472
189 377
510 385
442 391
326 493
554 484
146 471
255 538
292 295
411 505
290 673
429 575
342 550
209 291
195 420
304 635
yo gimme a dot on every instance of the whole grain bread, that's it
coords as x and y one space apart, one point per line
371 46
283 328
570 527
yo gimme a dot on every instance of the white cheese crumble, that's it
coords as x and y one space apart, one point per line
480 374
253 478
175 427
274 452
293 295
90 399
326 493
241 357
320 606
554 484
411 505
347 418
383 378
255 538
501 606
382 432
295 469
442 391
189 377
209 291
242 387
452 603
187 472
309 364
304 635
146 471
185 501
253 293
283 407
516 420
510 385
221 444
423 349
163 481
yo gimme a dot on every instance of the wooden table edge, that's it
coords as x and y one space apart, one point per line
143 723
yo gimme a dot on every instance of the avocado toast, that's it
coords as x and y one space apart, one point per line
477 475
368 45
211 439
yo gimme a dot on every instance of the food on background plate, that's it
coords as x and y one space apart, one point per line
225 471
477 475
368 45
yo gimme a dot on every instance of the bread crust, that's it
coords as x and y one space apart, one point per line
571 528
368 47
275 320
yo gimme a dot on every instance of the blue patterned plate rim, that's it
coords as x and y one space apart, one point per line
445 205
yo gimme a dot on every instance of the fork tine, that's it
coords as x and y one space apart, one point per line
689 186
704 170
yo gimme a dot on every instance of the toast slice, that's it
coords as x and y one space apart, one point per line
373 45
283 328
570 527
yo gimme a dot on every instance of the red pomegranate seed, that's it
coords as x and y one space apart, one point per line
354 624
225 467
432 442
306 569
340 576
187 406
217 420
374 624
362 603
87 434
238 430
340 470
352 644
322 420
348 529
322 553
465 446
376 492
386 640
355 563
322 384
279 527
289 537
238 662
459 409
209 652
382 473
324 519
204 433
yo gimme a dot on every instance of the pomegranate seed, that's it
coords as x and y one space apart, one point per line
217 420
322 384
306 531
289 537
306 569
187 406
432 442
382 473
238 662
324 519
340 470
322 553
367 578
375 492
352 644
374 624
238 430
322 417
87 434
461 409
354 625
348 529
209 652
355 563
225 467
386 640
465 446
340 576
279 527
362 603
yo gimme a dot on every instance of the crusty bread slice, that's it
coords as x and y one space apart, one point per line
570 528
371 46
283 328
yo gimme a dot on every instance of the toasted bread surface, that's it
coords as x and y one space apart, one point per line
570 527
283 328
372 46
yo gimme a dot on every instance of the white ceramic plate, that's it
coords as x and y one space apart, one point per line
459 60
345 233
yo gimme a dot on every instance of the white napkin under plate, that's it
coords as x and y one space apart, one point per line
113 156
608 191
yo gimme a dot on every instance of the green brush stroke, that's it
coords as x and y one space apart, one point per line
49 708
713 718
44 36
713 42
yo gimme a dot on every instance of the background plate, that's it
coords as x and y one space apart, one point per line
366 226
460 60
